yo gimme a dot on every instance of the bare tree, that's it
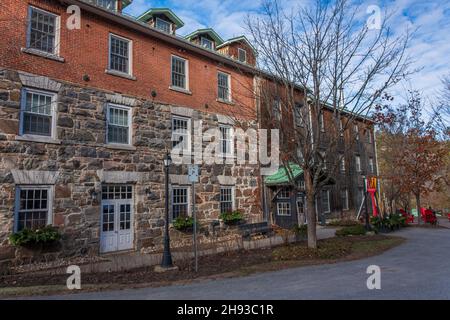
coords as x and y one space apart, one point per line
324 57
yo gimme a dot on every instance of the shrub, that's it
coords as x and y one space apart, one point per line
357 230
343 223
301 231
183 223
390 223
232 217
27 237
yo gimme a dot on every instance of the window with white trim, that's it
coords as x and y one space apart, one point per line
298 117
163 25
342 164
107 4
180 202
369 136
119 54
206 43
118 124
226 140
358 163
181 134
242 55
344 199
284 194
223 82
325 201
341 127
321 122
43 31
356 131
38 113
179 73
33 207
226 199
371 166
283 208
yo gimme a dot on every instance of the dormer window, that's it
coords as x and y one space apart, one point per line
206 43
107 4
163 25
242 55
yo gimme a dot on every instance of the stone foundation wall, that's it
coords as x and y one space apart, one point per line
80 161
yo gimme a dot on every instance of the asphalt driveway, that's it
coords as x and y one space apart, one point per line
418 269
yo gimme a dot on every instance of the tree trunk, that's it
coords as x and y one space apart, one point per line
418 208
310 211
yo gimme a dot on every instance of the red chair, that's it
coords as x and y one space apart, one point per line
409 218
428 216
448 215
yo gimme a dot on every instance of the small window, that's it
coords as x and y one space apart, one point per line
358 163
181 134
341 127
356 129
342 164
180 202
344 199
226 199
206 43
179 73
284 194
326 201
371 166
119 54
43 29
223 82
111 192
369 136
119 124
38 110
284 208
33 207
321 122
226 140
163 25
298 120
107 4
276 109
242 55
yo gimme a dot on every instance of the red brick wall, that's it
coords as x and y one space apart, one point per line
86 52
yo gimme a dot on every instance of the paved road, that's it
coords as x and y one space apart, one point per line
418 269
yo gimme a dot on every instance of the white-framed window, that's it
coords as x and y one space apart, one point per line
358 163
356 131
163 25
342 164
226 199
344 199
181 134
302 184
180 73
38 113
43 31
118 129
120 54
206 43
107 4
371 166
298 117
33 207
325 199
242 55
180 202
226 140
224 86
284 194
283 208
117 191
276 109
321 122
369 136
341 127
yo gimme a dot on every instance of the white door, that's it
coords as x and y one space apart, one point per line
116 225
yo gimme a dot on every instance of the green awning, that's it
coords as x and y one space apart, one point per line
281 177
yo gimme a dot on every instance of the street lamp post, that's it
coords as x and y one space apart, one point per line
167 256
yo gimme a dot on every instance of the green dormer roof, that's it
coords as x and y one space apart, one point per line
209 31
146 16
126 3
238 39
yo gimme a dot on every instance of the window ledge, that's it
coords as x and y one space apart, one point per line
120 74
40 139
181 90
231 103
43 54
117 146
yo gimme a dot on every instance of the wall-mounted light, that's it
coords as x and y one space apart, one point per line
93 194
148 193
154 94
86 78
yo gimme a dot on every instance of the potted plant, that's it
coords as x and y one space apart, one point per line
232 217
184 223
35 239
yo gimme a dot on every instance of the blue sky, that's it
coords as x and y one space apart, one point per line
430 45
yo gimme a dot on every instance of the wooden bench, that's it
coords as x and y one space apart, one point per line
252 229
